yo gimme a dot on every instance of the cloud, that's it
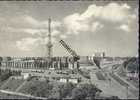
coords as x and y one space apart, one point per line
63 36
91 20
28 22
40 24
125 28
41 32
77 22
74 24
96 26
10 29
31 20
27 44
32 31
112 12
41 27
87 21
55 32
37 23
22 21
54 24
38 28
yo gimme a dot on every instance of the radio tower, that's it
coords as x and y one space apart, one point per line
49 45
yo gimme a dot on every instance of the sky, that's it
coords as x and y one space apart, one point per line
87 26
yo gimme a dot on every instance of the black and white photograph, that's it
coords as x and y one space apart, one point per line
69 49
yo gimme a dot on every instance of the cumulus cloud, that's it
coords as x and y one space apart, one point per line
86 21
77 22
125 28
10 29
31 20
29 23
32 31
40 24
90 20
54 24
42 27
74 24
55 32
38 28
28 44
112 12
63 36
96 26
41 32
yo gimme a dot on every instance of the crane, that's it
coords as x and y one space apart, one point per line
72 52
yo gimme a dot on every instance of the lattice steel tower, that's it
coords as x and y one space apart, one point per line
49 45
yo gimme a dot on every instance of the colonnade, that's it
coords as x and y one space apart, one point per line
61 63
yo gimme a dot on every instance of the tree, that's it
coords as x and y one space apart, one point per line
131 64
85 91
78 93
32 89
66 89
128 61
90 90
55 93
5 75
9 58
0 58
41 89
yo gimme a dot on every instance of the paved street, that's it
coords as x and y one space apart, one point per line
111 88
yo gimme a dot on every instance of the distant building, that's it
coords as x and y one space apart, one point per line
63 80
25 75
72 80
133 75
99 54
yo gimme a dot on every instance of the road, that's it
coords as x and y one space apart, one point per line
111 87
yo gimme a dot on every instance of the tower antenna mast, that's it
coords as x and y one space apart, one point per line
49 45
